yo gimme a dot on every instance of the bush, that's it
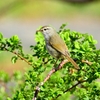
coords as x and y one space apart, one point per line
48 83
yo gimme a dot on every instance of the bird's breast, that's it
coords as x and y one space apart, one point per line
52 51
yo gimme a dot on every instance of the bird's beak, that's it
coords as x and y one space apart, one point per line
38 31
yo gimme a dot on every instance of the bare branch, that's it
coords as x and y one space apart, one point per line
19 56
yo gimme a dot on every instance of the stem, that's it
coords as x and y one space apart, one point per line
19 56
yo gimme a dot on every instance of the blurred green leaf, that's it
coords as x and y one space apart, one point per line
1 36
4 77
14 59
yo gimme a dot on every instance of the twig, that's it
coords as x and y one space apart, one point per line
55 69
48 76
19 56
87 62
79 82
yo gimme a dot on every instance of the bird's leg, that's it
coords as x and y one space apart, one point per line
55 63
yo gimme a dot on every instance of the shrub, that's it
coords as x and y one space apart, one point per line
48 83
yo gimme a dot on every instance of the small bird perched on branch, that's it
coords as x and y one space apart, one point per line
55 45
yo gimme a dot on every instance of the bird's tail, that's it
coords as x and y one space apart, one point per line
72 61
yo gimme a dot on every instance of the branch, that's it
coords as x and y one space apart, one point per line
19 56
87 62
79 82
48 76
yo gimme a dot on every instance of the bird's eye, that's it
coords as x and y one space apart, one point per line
45 29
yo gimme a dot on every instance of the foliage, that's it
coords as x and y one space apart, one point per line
9 84
66 82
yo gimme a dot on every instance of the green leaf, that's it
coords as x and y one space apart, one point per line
4 76
8 98
94 41
90 38
9 42
85 45
3 41
1 36
14 59
77 45
15 38
60 92
63 26
17 75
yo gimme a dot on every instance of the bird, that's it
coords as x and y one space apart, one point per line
55 45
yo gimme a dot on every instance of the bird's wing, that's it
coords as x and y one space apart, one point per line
57 43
